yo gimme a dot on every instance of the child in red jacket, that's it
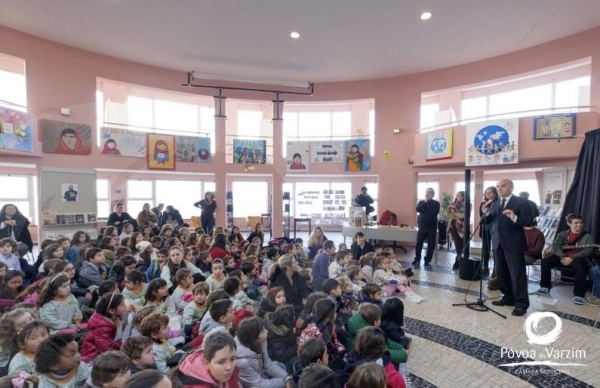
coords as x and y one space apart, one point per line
105 330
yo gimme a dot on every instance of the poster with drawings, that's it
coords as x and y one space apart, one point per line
492 143
193 149
297 156
16 130
122 142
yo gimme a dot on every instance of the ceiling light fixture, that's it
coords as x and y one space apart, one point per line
426 15
295 35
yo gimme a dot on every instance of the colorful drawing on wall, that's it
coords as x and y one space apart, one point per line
66 138
492 143
121 142
161 152
557 126
439 144
16 130
327 151
297 158
249 151
193 149
357 154
69 192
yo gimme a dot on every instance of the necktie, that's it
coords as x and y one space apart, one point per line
502 203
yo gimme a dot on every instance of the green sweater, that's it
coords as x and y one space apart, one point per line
357 322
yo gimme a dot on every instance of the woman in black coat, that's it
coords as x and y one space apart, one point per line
172 216
286 276
13 224
119 218
208 206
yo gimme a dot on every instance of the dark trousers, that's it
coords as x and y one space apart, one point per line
579 266
458 241
208 224
422 236
486 239
512 277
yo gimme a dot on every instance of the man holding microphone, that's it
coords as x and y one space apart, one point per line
427 222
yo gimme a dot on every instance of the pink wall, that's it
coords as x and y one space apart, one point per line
60 76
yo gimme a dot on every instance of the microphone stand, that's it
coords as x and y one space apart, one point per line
478 305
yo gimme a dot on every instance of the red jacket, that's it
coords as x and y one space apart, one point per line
193 373
387 216
100 337
218 253
535 242
394 378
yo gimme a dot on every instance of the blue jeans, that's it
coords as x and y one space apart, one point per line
208 224
595 275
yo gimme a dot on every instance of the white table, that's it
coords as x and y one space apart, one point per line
387 233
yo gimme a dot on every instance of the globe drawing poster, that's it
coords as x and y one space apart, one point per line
439 144
492 143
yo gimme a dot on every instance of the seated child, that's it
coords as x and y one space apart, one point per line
370 315
10 323
195 310
338 267
93 271
217 278
58 363
158 295
24 345
60 309
308 307
252 284
140 351
110 370
318 376
221 312
366 264
370 375
156 327
233 287
275 297
348 302
135 290
241 295
183 282
133 326
8 248
371 293
320 324
355 274
393 282
281 337
392 320
105 330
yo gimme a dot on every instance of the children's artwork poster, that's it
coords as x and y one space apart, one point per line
357 155
16 130
492 143
297 156
66 138
327 151
557 126
49 217
161 152
122 142
439 144
69 192
193 149
249 151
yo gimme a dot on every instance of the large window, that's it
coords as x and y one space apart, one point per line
250 198
373 190
22 193
13 89
428 112
103 197
528 185
151 110
249 123
372 130
181 194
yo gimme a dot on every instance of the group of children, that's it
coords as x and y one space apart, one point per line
159 306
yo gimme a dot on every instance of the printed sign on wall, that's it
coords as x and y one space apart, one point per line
327 151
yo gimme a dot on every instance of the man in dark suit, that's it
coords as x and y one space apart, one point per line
427 222
509 215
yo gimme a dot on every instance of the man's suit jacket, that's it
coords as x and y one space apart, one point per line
507 233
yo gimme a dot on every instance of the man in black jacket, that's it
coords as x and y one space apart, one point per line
427 222
508 216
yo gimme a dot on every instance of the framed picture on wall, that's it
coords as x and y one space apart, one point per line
557 126
161 152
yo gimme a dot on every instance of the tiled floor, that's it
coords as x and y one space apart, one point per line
459 347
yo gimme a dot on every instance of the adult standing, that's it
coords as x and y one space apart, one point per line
286 275
147 218
13 224
428 210
158 212
509 215
119 218
534 207
364 199
208 206
485 232
456 213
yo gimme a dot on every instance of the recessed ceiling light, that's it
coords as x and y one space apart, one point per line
295 35
426 15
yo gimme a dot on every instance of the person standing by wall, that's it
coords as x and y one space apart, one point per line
428 210
363 199
208 206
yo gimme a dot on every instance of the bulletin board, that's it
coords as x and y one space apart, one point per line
68 202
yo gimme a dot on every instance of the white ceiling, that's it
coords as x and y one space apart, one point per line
340 40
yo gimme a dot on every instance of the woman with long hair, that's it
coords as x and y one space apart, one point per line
208 206
13 224
172 217
485 230
119 218
315 241
218 247
285 275
258 232
456 214
236 236
147 218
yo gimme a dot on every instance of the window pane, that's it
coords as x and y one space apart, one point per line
207 118
342 199
510 104
424 185
372 130
428 115
530 186
309 198
249 198
140 111
290 129
139 189
23 207
341 124
188 193
568 93
209 186
473 108
460 186
175 116
134 207
102 188
289 188
373 191
249 123
104 209
314 125
13 90
13 187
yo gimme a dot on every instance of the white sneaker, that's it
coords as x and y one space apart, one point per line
413 298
